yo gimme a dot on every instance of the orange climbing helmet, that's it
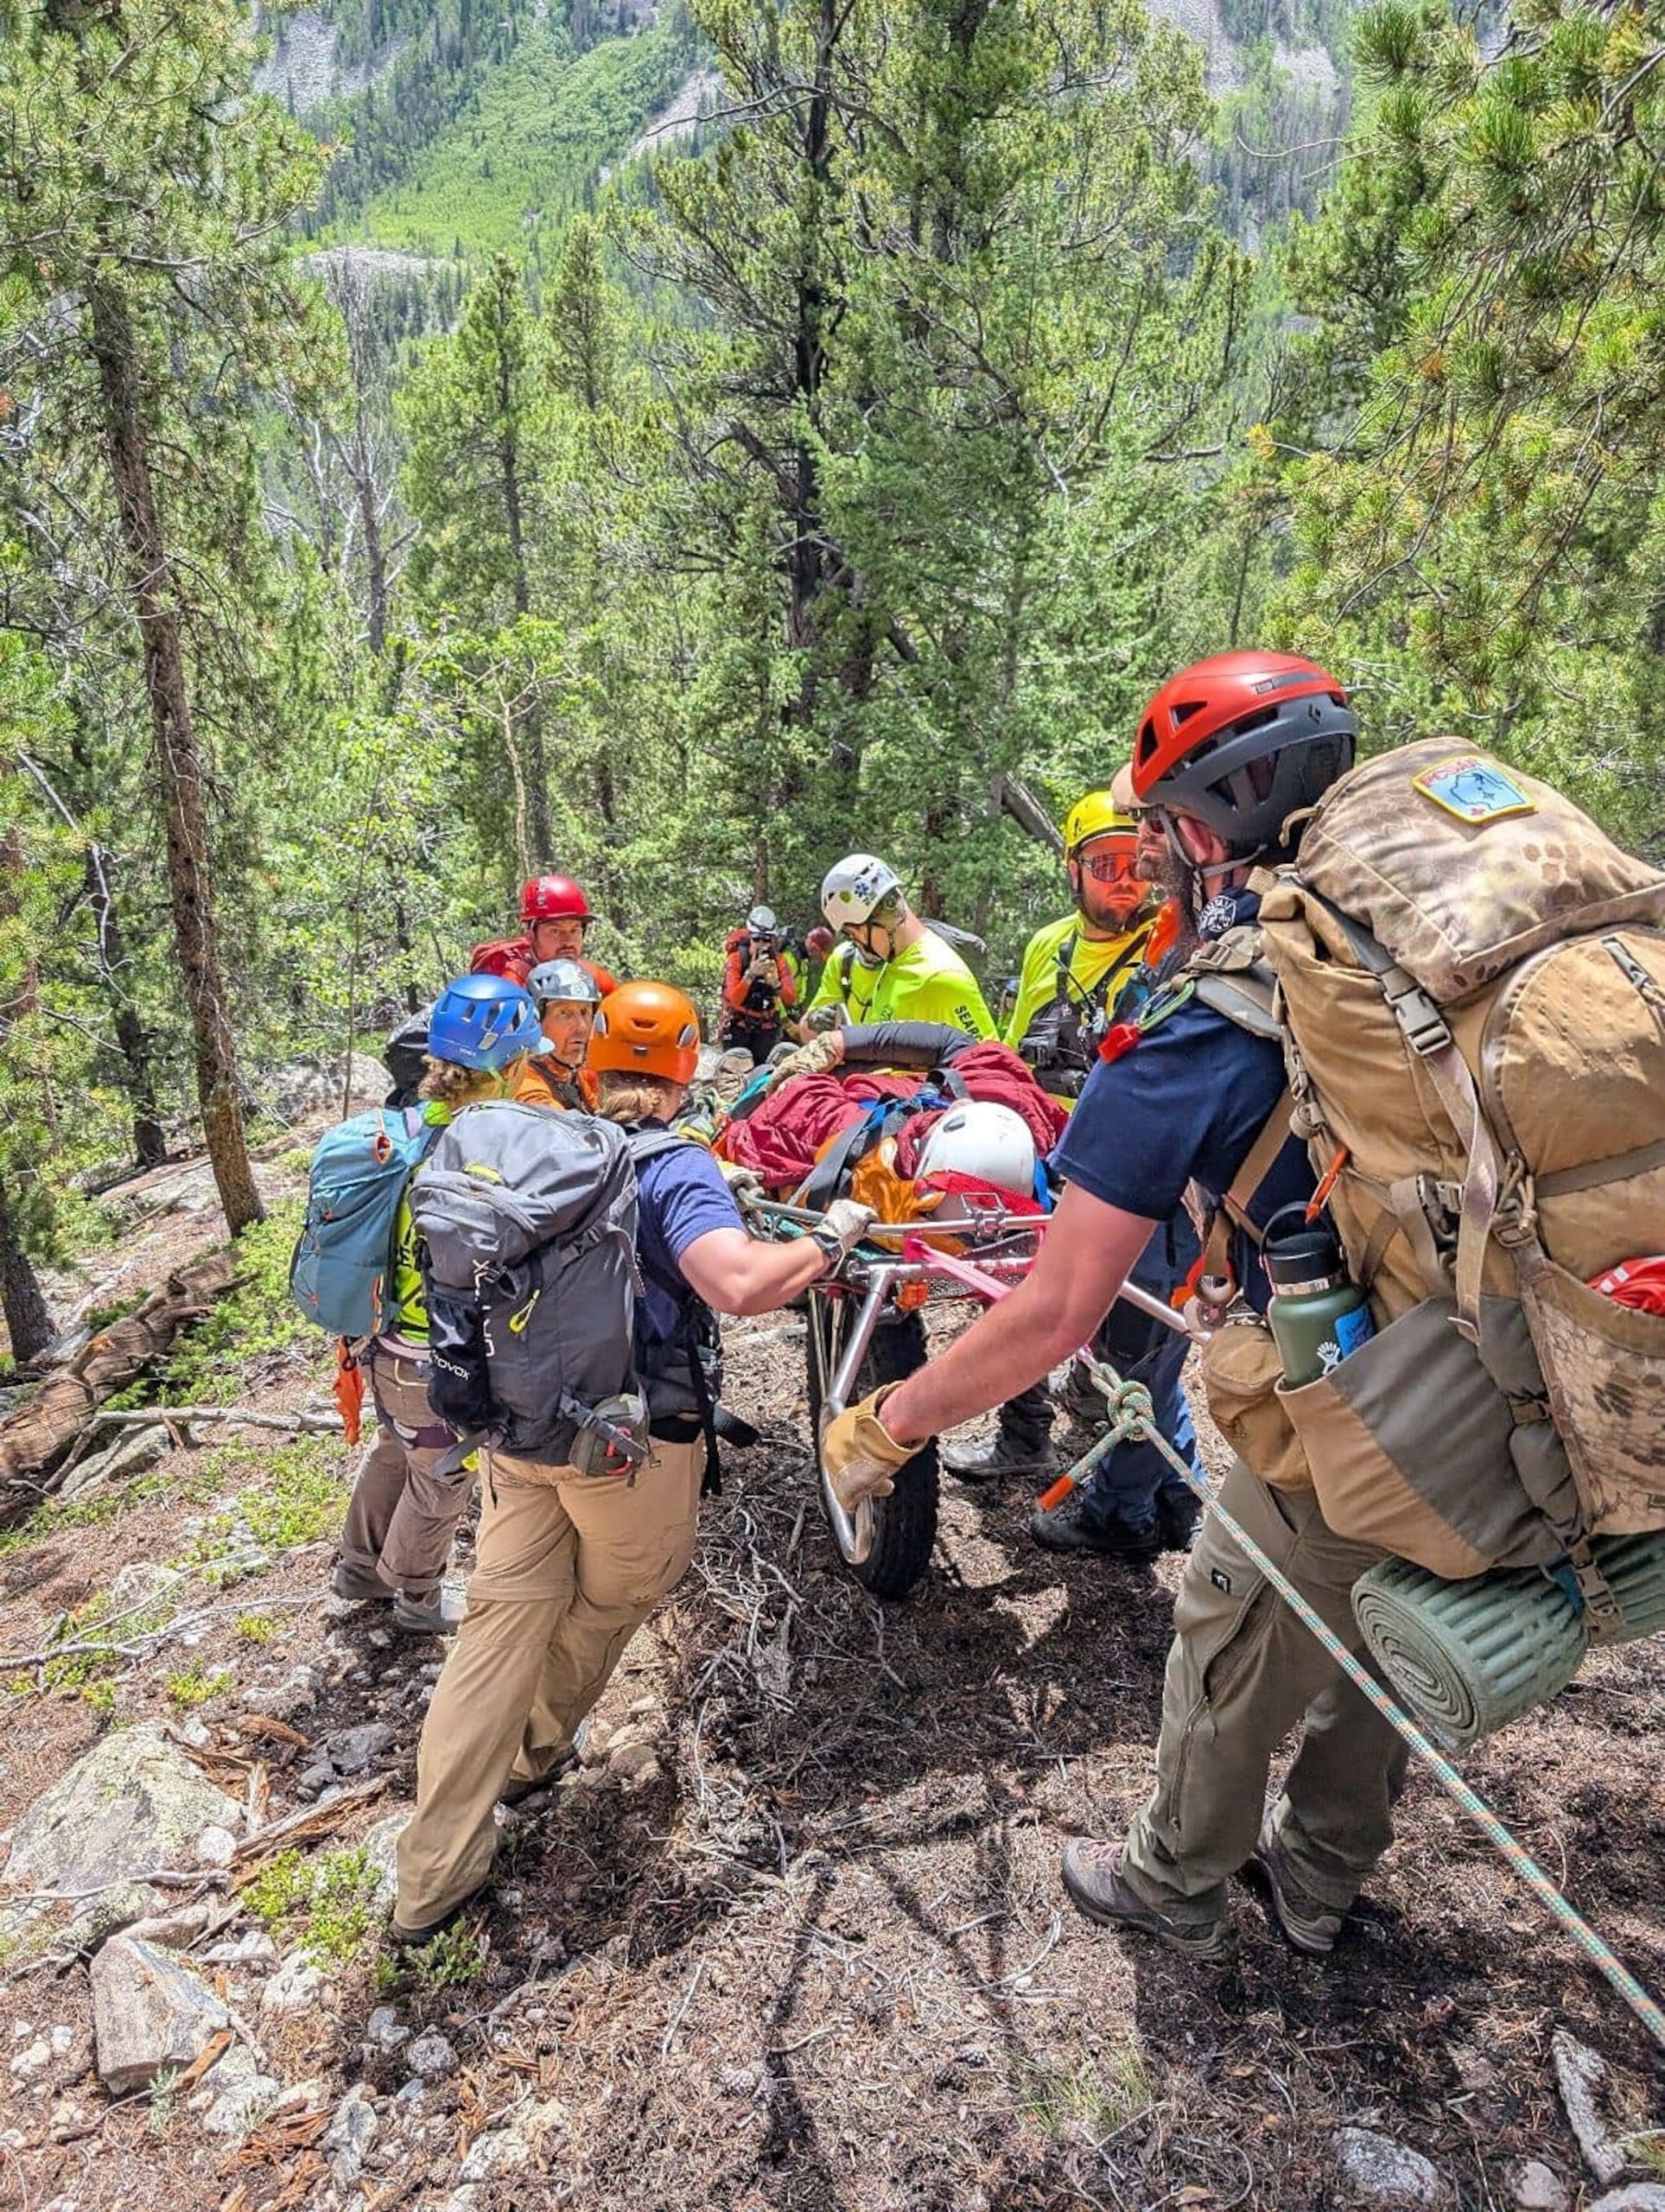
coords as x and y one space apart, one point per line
646 1029
1242 741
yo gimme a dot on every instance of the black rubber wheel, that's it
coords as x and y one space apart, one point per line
903 1525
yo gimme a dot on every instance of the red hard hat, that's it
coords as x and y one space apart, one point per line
818 941
1203 733
548 898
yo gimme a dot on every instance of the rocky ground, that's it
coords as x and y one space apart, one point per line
792 1936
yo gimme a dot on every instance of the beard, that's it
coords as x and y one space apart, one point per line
1173 877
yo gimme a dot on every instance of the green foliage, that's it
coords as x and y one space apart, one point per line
194 1686
300 1498
328 1901
255 1319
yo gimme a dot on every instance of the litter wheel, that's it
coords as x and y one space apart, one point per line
887 1542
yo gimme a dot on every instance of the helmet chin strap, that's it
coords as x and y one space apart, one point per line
1204 874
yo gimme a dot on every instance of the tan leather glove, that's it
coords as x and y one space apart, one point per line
862 1458
818 1057
849 1222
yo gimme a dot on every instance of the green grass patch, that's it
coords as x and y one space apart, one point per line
255 1319
329 1901
301 1498
1096 2098
256 1628
524 155
192 1685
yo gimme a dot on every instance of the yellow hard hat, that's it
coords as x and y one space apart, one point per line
1096 815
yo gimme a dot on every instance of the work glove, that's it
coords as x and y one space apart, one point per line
745 1183
849 1222
821 1019
819 1057
860 1456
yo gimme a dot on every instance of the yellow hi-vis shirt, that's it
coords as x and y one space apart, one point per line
928 982
1092 959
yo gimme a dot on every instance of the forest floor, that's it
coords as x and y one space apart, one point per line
794 1936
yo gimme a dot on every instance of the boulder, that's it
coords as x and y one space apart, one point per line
150 2013
1535 2187
132 1806
351 2131
1640 2196
135 1452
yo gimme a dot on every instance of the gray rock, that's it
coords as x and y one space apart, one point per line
353 1749
509 2150
135 1452
1535 2188
254 1948
380 1847
297 1986
216 1847
385 2029
1640 2196
431 2057
144 1582
33 2059
312 1779
1384 2172
150 2013
349 2135
634 1762
242 2095
131 1807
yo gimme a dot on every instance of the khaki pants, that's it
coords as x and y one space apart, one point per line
568 1569
403 1516
1241 1672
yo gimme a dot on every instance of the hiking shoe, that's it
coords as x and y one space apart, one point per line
440 1615
997 1455
1093 1877
1305 1922
1178 1516
357 1589
1072 1530
519 1787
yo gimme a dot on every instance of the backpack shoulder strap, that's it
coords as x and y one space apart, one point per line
1232 1212
1232 975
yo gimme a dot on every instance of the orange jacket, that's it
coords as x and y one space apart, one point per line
512 956
545 1084
738 988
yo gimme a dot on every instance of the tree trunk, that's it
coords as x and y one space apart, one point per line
179 762
138 1073
28 1323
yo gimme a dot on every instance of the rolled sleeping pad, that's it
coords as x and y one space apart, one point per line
1467 1657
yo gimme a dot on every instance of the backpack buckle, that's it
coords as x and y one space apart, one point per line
1424 1026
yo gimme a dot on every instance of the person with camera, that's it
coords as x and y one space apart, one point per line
758 983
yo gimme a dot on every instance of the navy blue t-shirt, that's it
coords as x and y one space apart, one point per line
681 1197
1186 1104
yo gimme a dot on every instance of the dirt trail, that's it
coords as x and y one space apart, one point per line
795 1937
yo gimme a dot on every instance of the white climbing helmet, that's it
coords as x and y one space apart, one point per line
979 1138
856 886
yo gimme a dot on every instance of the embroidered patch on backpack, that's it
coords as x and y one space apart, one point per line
1473 789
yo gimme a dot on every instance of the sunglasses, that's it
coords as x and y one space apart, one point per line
1111 868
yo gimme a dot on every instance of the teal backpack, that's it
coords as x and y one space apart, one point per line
340 1275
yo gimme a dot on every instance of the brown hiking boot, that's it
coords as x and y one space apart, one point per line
1093 1875
1305 1921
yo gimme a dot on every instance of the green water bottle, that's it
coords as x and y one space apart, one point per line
1319 1313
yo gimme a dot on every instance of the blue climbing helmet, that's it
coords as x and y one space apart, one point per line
483 1021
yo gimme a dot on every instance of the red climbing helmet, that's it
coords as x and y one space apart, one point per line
548 898
1204 737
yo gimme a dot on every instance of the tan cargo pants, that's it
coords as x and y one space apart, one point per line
568 1568
1241 1672
402 1515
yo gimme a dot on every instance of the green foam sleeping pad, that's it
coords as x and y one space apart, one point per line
1468 1656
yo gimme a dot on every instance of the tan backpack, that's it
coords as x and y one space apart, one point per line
1471 981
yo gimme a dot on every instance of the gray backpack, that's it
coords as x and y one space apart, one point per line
526 1222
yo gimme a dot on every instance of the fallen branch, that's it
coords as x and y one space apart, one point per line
308 1424
40 1432
312 1821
